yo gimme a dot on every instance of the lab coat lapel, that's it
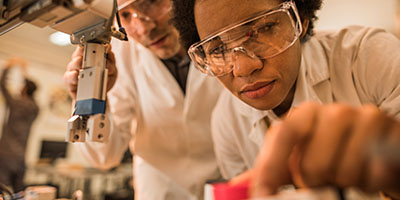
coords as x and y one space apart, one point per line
194 82
155 70
313 82
258 125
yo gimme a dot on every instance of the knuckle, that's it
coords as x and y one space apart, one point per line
371 113
337 112
310 105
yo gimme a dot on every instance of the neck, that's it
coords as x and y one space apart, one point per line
286 104
181 53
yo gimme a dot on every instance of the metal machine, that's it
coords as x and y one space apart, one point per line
90 23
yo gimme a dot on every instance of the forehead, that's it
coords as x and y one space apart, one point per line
212 15
124 3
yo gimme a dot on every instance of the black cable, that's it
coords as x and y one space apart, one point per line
118 20
120 28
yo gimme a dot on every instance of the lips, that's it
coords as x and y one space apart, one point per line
257 90
159 42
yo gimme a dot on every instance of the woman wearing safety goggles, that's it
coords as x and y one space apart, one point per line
266 54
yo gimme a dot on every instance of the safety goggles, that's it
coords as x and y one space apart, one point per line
261 36
144 10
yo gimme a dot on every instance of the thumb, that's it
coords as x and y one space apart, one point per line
271 168
242 178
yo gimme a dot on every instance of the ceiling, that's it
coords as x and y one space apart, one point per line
32 44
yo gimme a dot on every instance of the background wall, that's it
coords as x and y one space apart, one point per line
46 65
48 61
377 13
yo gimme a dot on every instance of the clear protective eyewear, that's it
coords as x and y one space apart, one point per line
261 36
145 10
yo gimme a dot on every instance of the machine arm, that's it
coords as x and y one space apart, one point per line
90 24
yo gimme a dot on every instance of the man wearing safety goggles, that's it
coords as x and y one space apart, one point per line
158 90
265 53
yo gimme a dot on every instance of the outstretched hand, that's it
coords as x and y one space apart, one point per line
339 145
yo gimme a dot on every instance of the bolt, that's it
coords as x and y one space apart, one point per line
83 39
5 14
92 34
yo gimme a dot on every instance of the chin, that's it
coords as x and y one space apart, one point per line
261 103
164 54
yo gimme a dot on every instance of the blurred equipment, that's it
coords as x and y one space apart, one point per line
40 192
51 150
90 24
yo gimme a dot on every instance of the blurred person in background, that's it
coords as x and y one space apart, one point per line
169 100
22 111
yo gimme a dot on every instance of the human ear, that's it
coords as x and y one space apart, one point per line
305 24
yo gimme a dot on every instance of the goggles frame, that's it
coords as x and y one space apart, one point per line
204 66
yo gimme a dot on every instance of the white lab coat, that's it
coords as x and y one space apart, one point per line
356 65
172 131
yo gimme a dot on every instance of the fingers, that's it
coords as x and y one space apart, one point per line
384 158
71 81
78 52
242 178
353 164
112 69
76 60
272 165
71 75
331 145
73 67
328 141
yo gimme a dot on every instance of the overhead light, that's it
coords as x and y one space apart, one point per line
60 39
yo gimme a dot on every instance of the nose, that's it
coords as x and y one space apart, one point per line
245 62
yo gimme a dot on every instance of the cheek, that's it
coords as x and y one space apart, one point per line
287 64
228 82
129 28
163 21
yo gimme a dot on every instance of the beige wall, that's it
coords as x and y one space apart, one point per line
397 19
46 67
338 13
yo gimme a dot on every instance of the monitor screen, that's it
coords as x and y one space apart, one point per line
53 149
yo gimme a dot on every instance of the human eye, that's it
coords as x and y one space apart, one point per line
125 15
266 27
218 50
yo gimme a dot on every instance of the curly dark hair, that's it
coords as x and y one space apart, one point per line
30 87
183 18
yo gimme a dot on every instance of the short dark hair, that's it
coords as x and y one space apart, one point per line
183 18
30 87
